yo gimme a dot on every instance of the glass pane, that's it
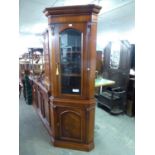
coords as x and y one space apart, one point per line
70 61
115 55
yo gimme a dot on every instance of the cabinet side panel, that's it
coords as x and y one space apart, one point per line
46 57
55 60
47 112
92 59
52 119
90 127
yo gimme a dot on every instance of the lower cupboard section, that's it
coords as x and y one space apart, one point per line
73 123
70 123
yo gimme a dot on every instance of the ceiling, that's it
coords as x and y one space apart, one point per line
114 13
117 17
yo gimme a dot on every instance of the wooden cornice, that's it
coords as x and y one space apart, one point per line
72 10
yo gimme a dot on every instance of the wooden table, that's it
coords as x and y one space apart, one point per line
100 82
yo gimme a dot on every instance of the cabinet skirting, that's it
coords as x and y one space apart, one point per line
71 145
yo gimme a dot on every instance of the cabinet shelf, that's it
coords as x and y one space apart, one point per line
71 52
69 63
76 75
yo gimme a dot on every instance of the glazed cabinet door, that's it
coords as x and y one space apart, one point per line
70 55
69 124
70 61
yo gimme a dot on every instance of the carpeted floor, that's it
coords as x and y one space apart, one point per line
114 135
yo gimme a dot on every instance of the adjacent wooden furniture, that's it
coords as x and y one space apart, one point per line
41 103
117 62
99 62
24 63
41 87
65 98
130 109
36 60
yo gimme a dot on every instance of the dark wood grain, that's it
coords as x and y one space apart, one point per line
69 117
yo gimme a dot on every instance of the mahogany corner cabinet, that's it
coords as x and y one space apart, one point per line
68 103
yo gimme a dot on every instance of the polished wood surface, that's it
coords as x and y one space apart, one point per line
73 122
72 10
69 117
99 62
46 60
41 103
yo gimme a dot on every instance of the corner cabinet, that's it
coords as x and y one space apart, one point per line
72 53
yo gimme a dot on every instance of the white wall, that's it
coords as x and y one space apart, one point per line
28 41
117 24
